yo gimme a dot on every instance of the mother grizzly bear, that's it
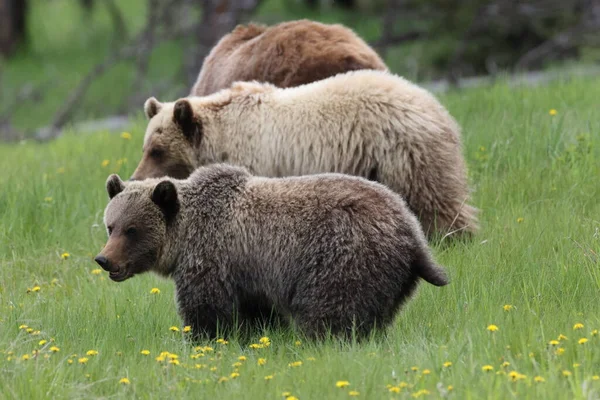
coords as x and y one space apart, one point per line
367 123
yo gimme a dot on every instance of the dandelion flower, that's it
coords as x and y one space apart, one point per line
492 328
222 341
54 349
64 256
124 381
414 369
29 330
105 163
69 361
42 342
236 364
595 378
342 384
96 271
82 360
505 364
507 307
562 337
487 368
582 341
48 199
311 359
262 361
234 375
145 352
560 351
577 326
126 135
187 329
265 341
520 219
450 388
35 289
23 327
552 112
291 398
91 353
426 372
242 358
295 364
539 379
567 373
256 346
553 343
576 365
174 329
223 379
174 361
394 389
25 357
595 332
268 377
353 393
298 343
447 364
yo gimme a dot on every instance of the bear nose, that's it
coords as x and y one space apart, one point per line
103 262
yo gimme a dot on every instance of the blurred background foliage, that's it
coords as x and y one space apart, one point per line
75 60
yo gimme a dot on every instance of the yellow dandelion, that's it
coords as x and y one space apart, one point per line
353 393
268 377
505 364
64 256
82 360
539 379
577 326
311 359
492 328
23 327
29 330
172 356
394 389
520 219
105 163
507 307
145 352
567 373
256 346
187 329
160 358
207 349
48 199
223 379
69 361
242 358
222 341
447 364
42 342
174 329
295 364
426 372
25 357
265 341
553 343
560 351
414 369
91 353
422 392
552 112
126 135
96 271
487 368
261 361
582 341
596 378
237 364
36 333
298 343
54 349
124 381
450 388
35 289
155 290
234 375
595 332
291 398
174 361
576 365
342 384
562 337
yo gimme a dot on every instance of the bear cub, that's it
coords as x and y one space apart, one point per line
330 252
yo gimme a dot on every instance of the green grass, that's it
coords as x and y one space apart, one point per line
536 181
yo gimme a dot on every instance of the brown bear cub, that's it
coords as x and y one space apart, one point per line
331 252
287 54
367 123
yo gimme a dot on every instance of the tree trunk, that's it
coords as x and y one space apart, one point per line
12 25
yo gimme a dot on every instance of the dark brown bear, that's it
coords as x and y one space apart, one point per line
329 251
287 54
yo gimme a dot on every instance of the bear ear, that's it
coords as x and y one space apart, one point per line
183 116
114 185
152 107
164 196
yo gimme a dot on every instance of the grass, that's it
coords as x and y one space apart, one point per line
535 178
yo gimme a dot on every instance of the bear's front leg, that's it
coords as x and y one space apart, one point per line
207 306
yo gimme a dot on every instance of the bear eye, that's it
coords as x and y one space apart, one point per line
130 232
110 229
156 153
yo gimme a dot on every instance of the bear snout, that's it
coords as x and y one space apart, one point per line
104 263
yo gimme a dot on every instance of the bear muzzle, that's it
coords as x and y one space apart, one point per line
105 263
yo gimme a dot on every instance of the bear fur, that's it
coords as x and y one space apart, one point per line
333 252
366 123
287 54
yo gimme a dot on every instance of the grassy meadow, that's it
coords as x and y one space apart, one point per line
520 318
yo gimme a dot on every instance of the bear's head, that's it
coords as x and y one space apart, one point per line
173 135
137 218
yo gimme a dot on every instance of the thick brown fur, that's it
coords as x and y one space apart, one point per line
287 54
334 253
366 123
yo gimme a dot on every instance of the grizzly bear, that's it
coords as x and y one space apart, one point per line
332 252
367 123
287 54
